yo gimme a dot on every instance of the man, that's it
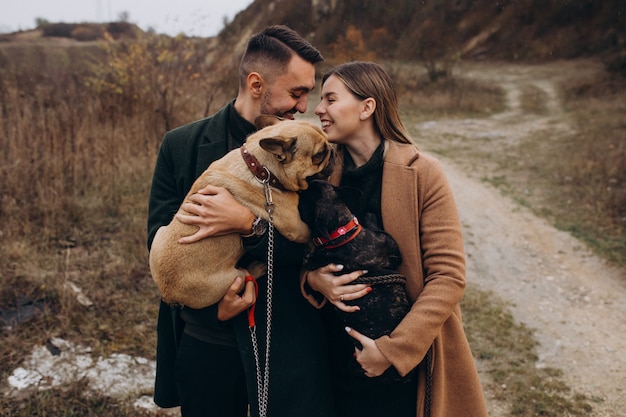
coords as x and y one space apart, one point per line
205 360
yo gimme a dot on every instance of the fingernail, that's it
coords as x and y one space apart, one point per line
339 267
369 289
365 271
348 329
354 355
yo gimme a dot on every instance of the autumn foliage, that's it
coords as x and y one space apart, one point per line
73 127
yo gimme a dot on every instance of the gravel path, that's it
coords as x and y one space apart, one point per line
574 301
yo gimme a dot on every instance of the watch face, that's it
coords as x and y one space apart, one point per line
260 226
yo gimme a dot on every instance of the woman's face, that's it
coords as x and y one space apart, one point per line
339 111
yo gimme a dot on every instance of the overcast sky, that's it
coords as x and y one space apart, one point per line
193 17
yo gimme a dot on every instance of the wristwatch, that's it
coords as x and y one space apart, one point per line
259 227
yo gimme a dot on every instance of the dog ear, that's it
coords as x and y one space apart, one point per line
265 120
280 146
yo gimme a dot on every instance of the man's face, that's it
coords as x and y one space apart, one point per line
289 92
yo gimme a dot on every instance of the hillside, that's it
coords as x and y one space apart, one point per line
433 32
469 29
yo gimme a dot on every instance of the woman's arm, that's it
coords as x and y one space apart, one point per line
439 267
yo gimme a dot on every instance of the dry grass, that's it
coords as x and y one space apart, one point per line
453 96
592 179
72 400
75 170
533 100
74 180
508 350
577 180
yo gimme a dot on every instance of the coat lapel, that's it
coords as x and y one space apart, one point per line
208 153
214 145
399 204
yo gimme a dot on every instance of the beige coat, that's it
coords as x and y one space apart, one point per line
419 211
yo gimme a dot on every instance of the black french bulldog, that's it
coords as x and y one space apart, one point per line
344 235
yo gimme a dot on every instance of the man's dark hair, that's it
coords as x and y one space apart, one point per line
269 52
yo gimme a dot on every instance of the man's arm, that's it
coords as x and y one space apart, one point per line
215 212
165 199
165 196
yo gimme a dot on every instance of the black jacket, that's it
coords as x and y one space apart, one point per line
299 377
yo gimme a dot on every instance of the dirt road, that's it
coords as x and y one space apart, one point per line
573 301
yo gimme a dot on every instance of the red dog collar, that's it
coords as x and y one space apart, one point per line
352 226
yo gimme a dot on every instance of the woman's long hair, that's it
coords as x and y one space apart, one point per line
368 79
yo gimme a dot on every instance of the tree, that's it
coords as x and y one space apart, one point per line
40 21
151 71
351 46
123 16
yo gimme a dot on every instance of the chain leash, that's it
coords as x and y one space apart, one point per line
263 377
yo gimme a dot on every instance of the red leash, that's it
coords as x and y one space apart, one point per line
251 322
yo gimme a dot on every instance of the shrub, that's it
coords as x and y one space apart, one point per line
62 30
87 32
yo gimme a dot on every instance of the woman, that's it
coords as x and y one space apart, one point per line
407 192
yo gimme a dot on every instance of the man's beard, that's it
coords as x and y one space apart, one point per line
267 108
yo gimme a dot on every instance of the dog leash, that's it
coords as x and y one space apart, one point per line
251 320
263 377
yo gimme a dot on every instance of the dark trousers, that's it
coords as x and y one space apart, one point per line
355 394
210 380
376 400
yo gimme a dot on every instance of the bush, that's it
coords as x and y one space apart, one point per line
87 33
62 30
119 30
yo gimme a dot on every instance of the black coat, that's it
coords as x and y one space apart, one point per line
299 377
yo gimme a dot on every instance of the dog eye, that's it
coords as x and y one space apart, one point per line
320 156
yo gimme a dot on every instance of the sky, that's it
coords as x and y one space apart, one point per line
192 17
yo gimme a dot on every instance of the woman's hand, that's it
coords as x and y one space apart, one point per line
371 359
337 288
215 212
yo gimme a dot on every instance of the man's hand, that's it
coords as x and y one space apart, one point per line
371 359
234 302
215 212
